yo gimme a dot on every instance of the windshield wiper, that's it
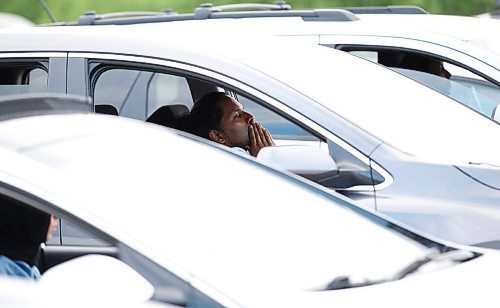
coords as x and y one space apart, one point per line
435 255
345 282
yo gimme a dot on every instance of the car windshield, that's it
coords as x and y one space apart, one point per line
225 219
401 112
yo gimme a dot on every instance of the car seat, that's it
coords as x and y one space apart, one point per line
106 109
174 116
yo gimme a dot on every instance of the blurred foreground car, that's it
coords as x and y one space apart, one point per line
213 232
399 147
53 292
8 20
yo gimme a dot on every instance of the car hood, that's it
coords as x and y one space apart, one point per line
488 175
472 283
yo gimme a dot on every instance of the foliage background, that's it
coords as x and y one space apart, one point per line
69 10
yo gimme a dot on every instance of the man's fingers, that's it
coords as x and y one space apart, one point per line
258 136
268 137
251 135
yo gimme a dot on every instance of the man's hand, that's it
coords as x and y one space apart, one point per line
259 138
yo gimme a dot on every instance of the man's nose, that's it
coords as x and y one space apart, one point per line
447 74
249 117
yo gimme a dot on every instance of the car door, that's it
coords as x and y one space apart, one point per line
26 72
137 86
473 81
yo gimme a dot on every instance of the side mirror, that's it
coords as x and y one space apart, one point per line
495 115
96 280
307 161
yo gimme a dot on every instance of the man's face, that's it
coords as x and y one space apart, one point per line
52 226
234 124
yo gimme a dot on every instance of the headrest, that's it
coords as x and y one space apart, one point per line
170 116
106 109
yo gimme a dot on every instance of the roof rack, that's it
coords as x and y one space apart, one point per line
277 6
206 9
243 10
25 105
90 17
390 9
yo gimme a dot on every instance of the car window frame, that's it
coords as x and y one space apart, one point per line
54 63
445 53
233 85
376 48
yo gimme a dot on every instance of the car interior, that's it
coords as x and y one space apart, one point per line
23 77
464 85
169 98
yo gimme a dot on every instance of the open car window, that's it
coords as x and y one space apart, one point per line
139 92
464 85
23 77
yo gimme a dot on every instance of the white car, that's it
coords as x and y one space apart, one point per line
53 292
467 47
213 231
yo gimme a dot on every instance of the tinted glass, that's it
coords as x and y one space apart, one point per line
22 79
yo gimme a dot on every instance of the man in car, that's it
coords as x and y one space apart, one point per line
22 230
424 64
220 118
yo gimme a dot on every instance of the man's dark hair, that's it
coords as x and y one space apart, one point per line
22 230
416 62
206 114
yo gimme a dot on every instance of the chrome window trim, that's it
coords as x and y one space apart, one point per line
256 93
25 54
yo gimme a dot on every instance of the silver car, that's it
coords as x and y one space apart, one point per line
403 38
399 147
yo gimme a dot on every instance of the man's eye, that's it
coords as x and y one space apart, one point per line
236 115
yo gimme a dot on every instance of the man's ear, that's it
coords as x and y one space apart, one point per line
217 136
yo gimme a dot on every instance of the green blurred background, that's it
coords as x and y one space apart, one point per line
69 10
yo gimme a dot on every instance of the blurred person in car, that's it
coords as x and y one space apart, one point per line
220 118
423 64
22 230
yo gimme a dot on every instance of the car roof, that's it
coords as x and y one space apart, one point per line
413 17
461 27
481 32
477 38
443 29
